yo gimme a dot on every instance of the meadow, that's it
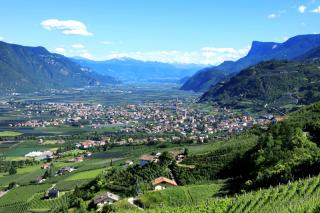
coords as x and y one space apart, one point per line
9 134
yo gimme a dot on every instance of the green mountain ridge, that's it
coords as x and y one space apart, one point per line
27 69
273 83
259 52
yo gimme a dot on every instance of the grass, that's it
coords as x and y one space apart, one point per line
85 175
125 206
10 134
71 184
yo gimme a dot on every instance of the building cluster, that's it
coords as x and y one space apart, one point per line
176 118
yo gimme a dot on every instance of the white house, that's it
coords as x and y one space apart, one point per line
161 183
106 198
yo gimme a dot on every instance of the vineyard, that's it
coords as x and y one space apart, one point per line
17 199
37 203
30 198
298 196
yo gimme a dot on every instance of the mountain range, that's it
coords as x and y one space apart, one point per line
260 51
274 83
27 69
130 70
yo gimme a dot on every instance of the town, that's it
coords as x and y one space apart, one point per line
174 120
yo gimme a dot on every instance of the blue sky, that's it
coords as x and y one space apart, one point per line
183 31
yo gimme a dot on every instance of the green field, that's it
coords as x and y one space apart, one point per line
85 175
9 134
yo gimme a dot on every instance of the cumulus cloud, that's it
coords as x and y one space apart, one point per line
272 16
60 50
316 10
206 55
302 8
67 27
86 54
78 46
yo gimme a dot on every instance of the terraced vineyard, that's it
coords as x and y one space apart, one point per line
37 203
29 199
298 196
17 200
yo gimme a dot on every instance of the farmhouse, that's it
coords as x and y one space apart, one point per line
40 155
161 183
146 159
87 144
46 166
53 193
278 119
129 163
65 170
178 155
106 198
39 179
77 159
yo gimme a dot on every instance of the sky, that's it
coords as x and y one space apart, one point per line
172 31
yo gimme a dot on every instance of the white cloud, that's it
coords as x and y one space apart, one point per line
107 42
67 27
78 46
272 16
316 10
86 54
1 38
302 8
60 50
206 55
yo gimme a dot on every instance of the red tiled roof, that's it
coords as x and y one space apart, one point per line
147 157
159 180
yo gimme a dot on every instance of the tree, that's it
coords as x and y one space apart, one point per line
165 158
12 170
49 172
186 151
82 207
108 209
11 185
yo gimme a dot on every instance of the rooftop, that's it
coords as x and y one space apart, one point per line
160 180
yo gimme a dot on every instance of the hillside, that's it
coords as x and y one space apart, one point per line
134 71
25 69
260 51
269 84
298 196
203 80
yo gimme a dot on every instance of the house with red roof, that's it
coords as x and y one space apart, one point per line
161 183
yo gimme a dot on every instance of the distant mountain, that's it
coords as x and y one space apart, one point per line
260 51
271 83
26 69
129 70
313 54
203 79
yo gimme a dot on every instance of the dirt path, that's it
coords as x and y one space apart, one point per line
131 201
